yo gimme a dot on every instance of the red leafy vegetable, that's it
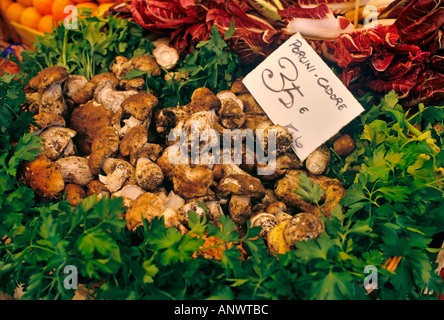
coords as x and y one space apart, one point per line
401 57
189 22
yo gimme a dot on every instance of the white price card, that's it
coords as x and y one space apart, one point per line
299 91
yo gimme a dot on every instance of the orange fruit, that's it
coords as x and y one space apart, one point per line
46 23
58 8
5 4
30 18
81 1
106 1
88 5
26 3
44 7
14 12
104 7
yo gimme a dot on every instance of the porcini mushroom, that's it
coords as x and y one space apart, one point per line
166 56
75 170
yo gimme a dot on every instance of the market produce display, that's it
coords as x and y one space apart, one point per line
92 177
44 15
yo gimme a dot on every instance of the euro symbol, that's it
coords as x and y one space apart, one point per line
303 110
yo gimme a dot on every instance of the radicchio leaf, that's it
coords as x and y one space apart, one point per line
336 6
421 22
316 23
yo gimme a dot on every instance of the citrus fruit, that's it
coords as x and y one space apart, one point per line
14 12
88 5
5 4
44 7
26 3
30 18
104 7
58 8
46 23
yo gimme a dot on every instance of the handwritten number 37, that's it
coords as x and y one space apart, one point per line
289 75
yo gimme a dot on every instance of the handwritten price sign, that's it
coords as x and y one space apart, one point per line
299 91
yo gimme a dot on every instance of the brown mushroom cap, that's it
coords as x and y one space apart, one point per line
302 226
146 206
55 140
140 105
150 150
87 120
46 119
191 181
106 76
147 64
45 177
241 184
231 114
121 66
95 187
240 209
48 77
134 139
74 194
75 170
148 175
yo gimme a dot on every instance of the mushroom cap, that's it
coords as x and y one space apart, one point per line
283 139
75 170
87 120
302 226
46 119
134 139
203 99
45 177
240 209
55 140
48 77
191 181
106 76
344 145
275 239
140 105
149 150
146 206
242 185
106 137
147 64
120 66
149 175
74 194
231 114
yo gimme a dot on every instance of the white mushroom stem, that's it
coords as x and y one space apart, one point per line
115 179
131 122
110 98
129 191
174 201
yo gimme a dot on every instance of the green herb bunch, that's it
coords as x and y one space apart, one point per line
89 48
212 64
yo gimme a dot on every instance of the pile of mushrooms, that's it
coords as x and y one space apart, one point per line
106 136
